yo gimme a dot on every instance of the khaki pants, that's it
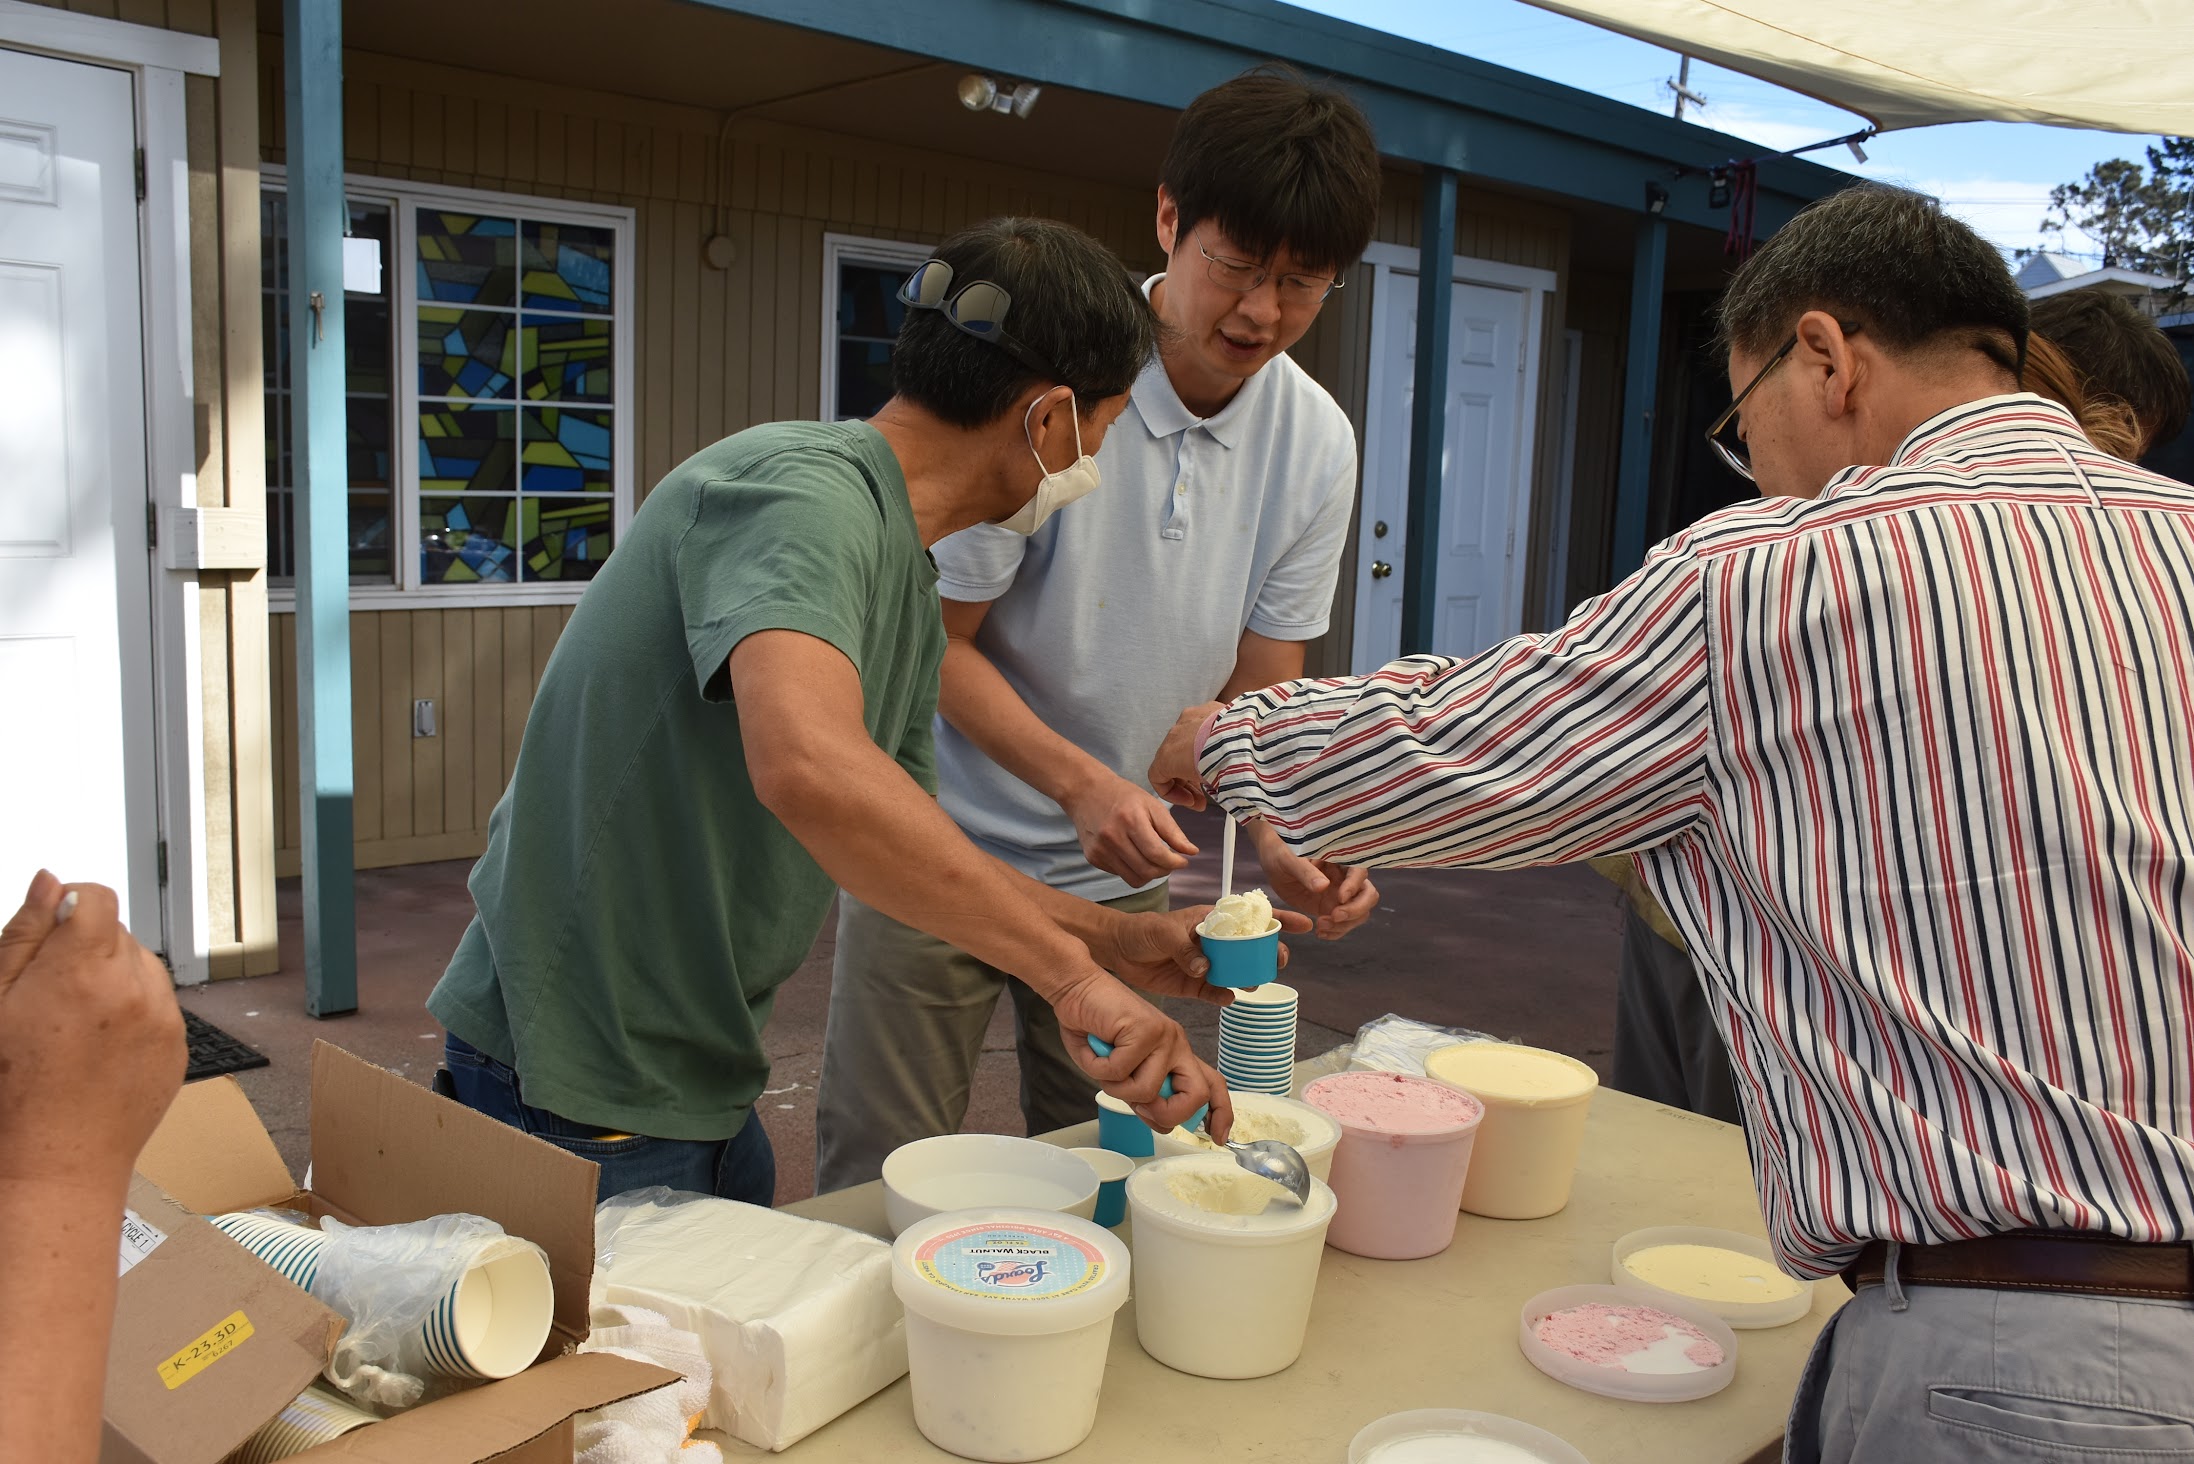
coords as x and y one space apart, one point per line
907 1016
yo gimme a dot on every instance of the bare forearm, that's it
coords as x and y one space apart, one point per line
887 843
975 697
59 1288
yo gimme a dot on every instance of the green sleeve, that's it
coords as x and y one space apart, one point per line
795 550
917 750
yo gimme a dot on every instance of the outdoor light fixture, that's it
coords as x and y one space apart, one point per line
1717 188
979 93
1656 198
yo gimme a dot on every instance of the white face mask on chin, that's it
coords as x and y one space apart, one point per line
1059 489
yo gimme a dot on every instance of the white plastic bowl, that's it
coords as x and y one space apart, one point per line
1459 1426
984 1171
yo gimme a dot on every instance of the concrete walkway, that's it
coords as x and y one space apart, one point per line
1528 954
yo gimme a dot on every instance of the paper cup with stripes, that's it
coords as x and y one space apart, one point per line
316 1417
494 1321
294 1250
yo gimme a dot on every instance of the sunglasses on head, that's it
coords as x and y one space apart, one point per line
978 308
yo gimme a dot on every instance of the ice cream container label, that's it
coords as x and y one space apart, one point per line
1010 1262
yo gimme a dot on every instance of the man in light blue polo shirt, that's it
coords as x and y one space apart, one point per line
1201 570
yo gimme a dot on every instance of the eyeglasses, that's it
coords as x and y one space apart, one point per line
979 309
1240 276
1733 450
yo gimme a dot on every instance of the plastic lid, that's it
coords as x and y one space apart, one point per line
1009 1272
1457 1436
1507 1073
1733 1276
1395 1106
1158 1192
1629 1343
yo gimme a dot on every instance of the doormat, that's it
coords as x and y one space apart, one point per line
214 1052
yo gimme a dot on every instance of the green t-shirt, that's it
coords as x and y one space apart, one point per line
638 906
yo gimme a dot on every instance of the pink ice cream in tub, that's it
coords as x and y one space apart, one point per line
1398 1171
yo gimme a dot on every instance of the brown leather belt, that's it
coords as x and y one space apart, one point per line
2037 1260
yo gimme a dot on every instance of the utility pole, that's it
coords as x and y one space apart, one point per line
1682 87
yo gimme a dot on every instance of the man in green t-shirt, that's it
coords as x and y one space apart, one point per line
737 717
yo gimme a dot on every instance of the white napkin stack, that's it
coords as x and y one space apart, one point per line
796 1317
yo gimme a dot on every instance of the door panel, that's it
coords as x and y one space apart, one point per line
75 571
1482 497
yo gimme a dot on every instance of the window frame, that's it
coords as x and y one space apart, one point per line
843 249
401 274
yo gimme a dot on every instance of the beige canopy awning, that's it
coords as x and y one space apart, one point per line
2112 65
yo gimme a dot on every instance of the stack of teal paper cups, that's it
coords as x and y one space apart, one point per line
1257 1040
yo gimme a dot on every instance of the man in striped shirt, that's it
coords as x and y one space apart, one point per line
1904 751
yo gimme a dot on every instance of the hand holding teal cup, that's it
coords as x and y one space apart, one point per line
1103 1048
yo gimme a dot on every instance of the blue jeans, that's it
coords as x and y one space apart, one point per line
742 1167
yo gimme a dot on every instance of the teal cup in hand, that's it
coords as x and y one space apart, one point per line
1242 961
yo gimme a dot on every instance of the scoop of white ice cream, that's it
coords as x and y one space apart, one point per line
1248 1129
1236 916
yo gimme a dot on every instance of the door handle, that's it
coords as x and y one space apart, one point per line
1380 569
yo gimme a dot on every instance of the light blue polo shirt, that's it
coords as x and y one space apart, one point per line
1130 604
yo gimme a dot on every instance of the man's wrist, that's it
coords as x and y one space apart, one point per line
1083 776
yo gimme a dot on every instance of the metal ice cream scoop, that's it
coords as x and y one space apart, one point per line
1273 1160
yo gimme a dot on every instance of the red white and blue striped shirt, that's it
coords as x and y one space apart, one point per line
1911 766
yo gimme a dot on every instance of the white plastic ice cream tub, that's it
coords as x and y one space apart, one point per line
1009 1316
1224 1288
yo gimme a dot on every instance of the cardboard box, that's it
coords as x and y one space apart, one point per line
384 1152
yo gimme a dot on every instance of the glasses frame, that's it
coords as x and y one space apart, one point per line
1736 464
1216 263
975 319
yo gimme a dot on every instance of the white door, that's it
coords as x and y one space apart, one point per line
1484 496
76 735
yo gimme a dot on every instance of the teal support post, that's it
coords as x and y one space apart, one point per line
1641 383
313 70
1428 412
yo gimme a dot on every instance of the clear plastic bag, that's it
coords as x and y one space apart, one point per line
1394 1044
387 1279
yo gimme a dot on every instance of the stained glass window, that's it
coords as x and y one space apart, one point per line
368 347
484 429
517 398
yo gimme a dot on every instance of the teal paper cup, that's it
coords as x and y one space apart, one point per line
1122 1130
1242 961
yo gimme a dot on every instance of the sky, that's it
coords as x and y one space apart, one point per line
1994 175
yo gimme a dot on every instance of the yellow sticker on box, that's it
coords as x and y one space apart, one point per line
222 1338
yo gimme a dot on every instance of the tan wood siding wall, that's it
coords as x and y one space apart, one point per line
223 154
422 798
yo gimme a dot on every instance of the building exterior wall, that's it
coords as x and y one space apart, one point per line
716 351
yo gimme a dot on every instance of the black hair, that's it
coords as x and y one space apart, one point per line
1074 307
1278 163
1890 259
2122 353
